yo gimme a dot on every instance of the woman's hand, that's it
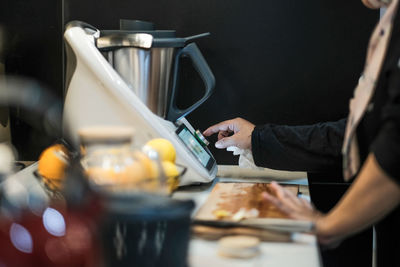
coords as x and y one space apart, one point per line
291 205
240 128
300 209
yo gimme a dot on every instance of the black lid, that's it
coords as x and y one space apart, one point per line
129 26
136 25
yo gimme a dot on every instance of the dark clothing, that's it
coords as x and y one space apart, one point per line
379 131
309 148
317 147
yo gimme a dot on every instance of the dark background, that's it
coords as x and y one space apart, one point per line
286 62
33 48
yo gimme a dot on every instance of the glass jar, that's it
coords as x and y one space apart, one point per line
111 162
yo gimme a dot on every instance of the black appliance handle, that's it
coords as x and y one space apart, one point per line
201 66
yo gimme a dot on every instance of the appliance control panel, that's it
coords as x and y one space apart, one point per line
199 151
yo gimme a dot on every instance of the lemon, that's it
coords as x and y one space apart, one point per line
164 148
172 173
170 169
53 161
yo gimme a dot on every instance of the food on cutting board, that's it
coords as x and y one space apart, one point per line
240 246
241 214
52 164
222 214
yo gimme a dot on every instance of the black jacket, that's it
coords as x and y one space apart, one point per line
310 148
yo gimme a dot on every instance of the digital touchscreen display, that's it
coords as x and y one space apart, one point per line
191 142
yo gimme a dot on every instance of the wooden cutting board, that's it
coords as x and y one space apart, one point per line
231 197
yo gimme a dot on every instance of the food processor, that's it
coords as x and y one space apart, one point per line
128 77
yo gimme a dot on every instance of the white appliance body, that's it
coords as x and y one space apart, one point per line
97 95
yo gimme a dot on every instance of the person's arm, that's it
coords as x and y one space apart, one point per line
372 195
299 148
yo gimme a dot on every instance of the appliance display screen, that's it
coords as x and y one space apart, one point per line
191 142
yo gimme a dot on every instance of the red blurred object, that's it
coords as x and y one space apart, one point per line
55 238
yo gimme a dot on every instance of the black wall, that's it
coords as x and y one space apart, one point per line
33 48
287 62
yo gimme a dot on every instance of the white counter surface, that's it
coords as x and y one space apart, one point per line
302 252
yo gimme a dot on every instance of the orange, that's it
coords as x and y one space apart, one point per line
53 162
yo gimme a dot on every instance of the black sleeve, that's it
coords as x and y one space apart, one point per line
309 148
386 145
